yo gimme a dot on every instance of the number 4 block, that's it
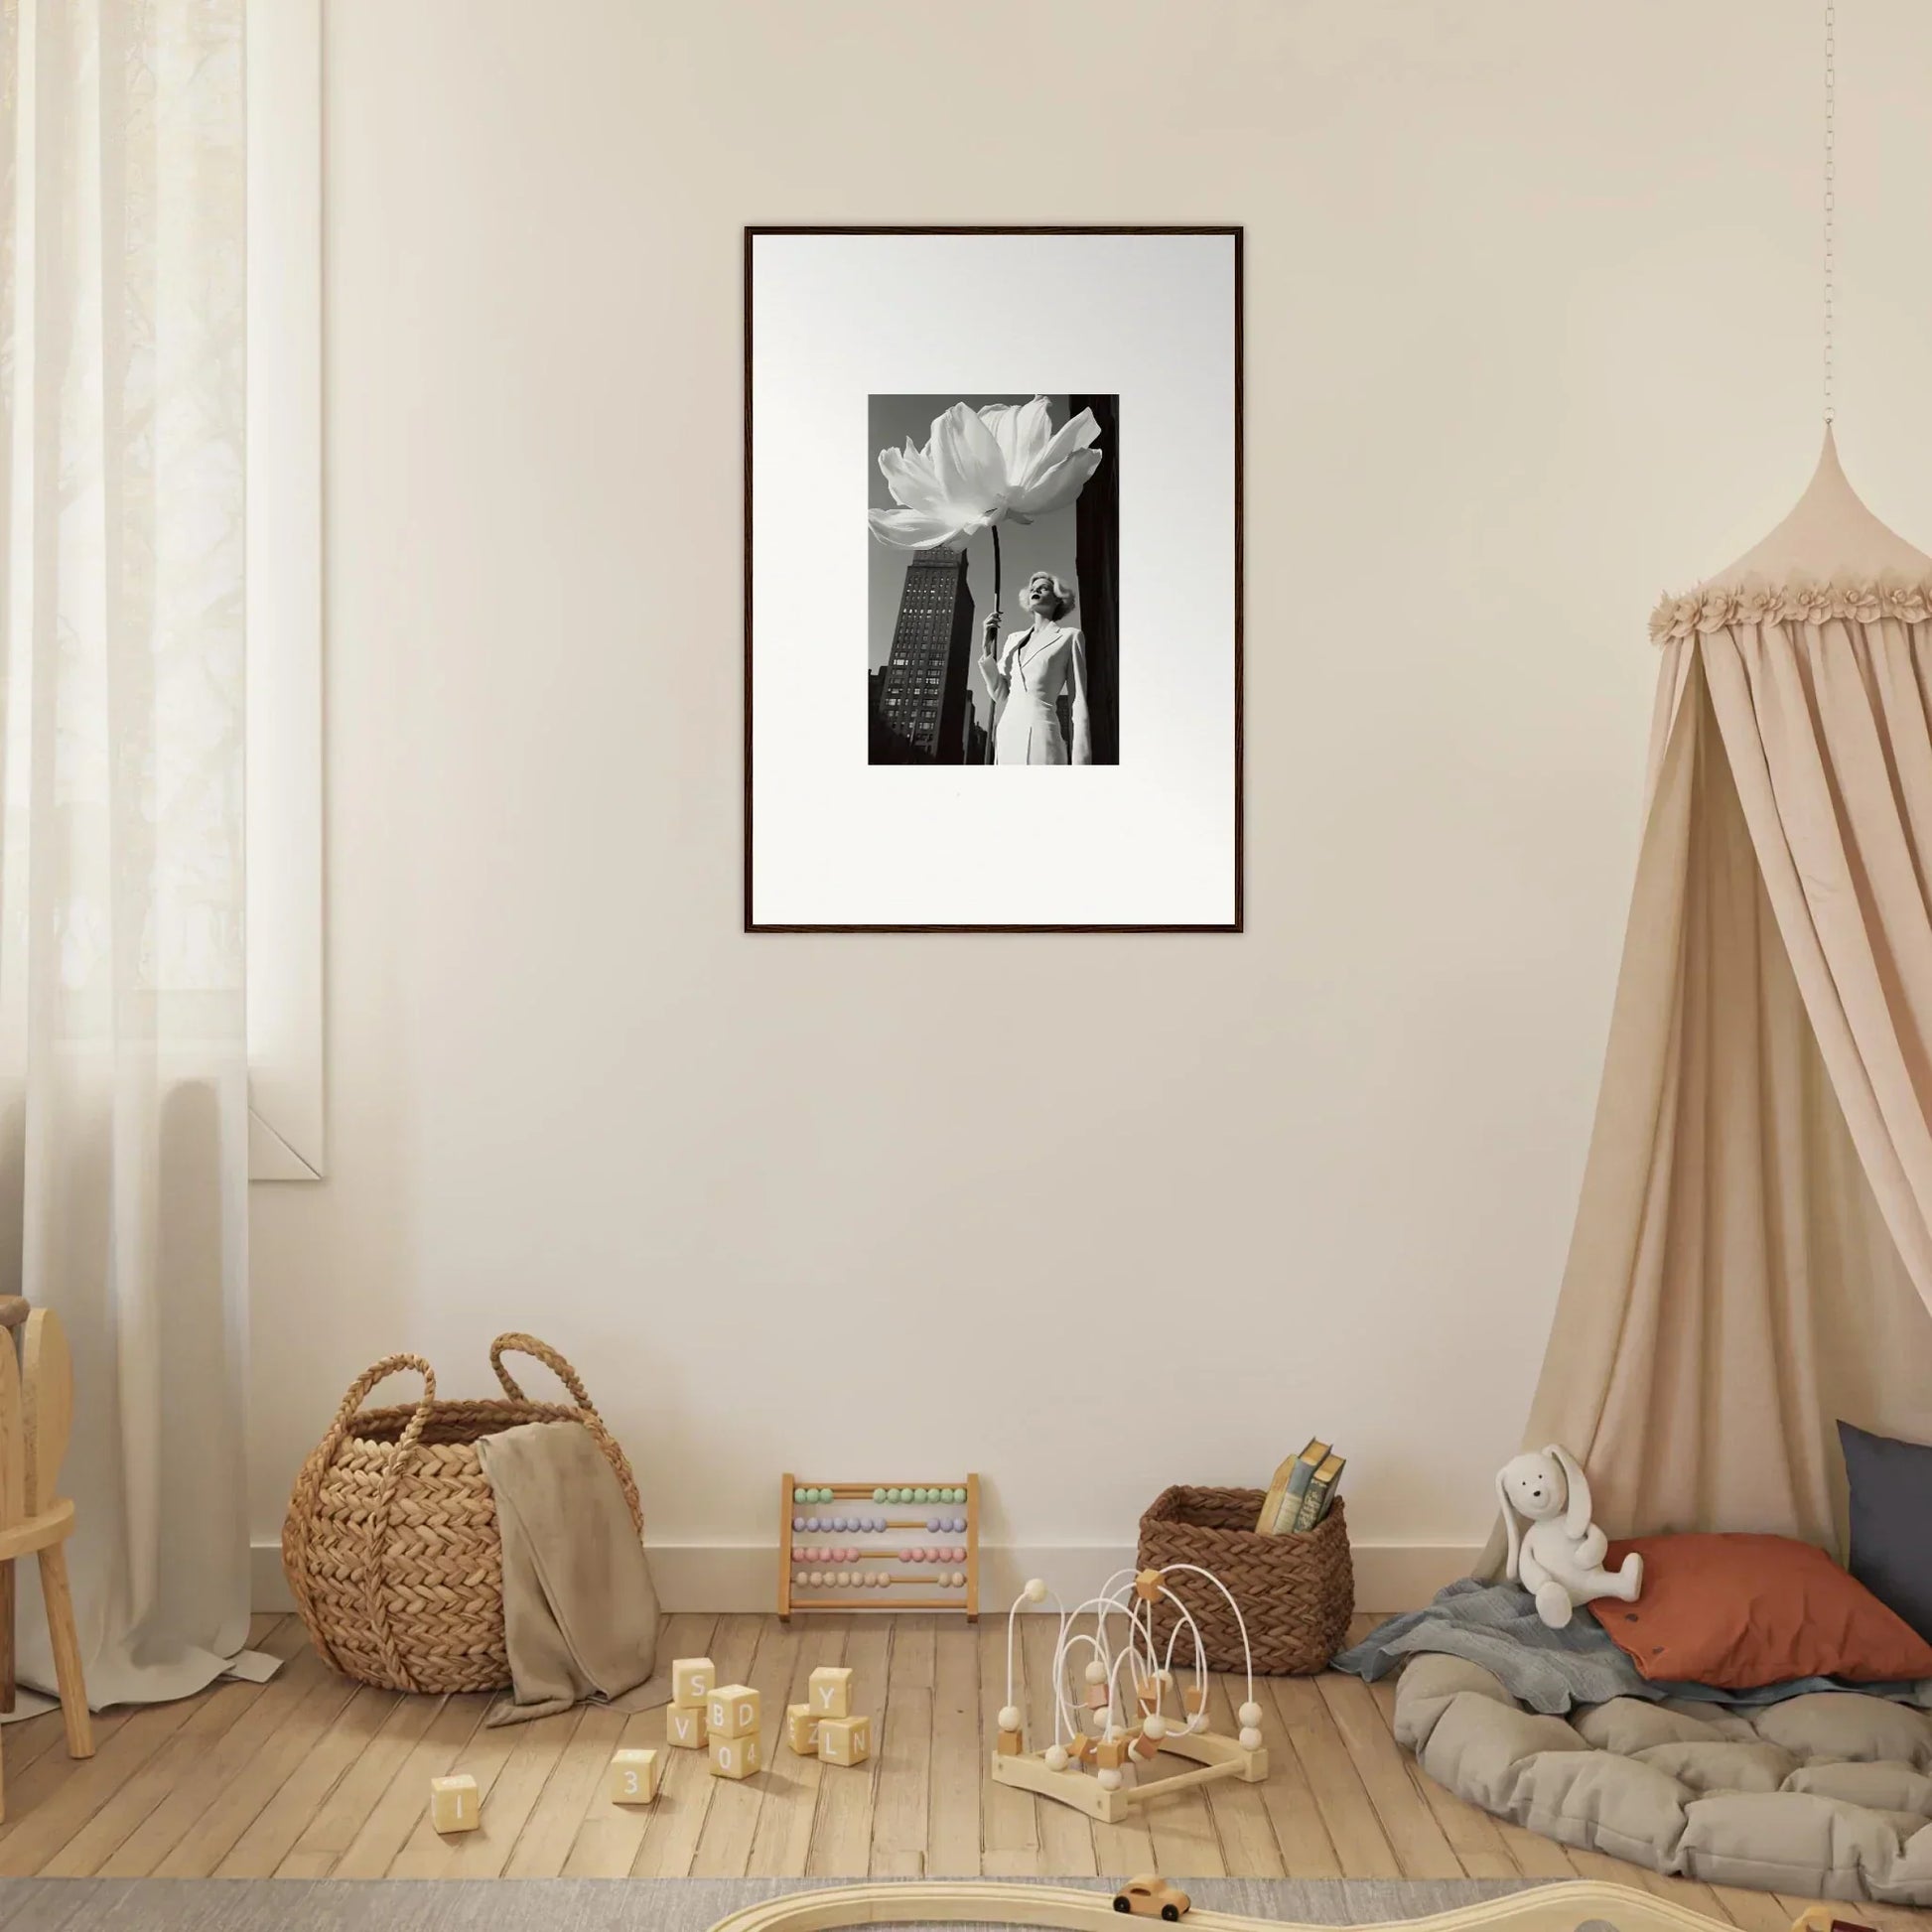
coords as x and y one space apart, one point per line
735 1757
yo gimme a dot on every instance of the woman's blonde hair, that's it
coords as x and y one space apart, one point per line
1063 592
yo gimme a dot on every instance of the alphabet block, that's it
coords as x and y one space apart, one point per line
692 1680
735 1757
453 1805
831 1690
801 1730
684 1730
634 1777
733 1712
844 1741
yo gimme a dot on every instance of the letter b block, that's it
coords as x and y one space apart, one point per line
453 1805
831 1690
684 1730
692 1680
733 1712
844 1741
735 1757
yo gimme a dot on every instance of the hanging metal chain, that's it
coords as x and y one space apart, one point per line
1831 185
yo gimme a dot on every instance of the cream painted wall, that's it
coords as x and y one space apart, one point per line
1532 335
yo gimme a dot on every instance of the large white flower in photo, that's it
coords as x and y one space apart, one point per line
1002 463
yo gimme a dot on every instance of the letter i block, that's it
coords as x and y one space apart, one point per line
733 1712
634 1777
831 1690
844 1741
735 1757
692 1680
801 1730
684 1730
453 1805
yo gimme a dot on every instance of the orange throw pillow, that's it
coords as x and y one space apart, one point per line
1739 1611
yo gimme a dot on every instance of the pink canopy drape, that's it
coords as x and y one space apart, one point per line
1753 1254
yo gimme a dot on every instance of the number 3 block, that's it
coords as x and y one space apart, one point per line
634 1777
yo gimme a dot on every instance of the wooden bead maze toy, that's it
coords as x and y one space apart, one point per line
857 1545
1092 1763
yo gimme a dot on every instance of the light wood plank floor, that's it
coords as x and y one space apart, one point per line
308 1776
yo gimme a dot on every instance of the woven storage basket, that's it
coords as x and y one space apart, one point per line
391 1545
1297 1591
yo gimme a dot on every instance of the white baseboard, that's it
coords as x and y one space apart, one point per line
726 1577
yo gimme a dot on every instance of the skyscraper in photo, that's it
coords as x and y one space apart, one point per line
921 712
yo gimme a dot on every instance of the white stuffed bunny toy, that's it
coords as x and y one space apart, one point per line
1560 1558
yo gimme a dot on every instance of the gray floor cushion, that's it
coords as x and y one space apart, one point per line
1828 1794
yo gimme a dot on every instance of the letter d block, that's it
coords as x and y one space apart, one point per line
831 1690
692 1680
801 1730
634 1777
733 1712
735 1757
684 1730
844 1741
453 1805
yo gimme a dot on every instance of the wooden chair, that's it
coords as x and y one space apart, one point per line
36 1420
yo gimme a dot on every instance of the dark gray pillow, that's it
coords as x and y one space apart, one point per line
1891 1521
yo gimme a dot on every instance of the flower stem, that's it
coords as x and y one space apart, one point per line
990 707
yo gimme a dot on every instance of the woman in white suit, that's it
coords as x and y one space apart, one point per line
1032 668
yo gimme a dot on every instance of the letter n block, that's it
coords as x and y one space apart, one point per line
453 1805
801 1730
634 1777
831 1690
684 1730
731 1710
735 1757
692 1680
844 1741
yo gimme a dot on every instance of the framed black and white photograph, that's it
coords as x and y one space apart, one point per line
1000 472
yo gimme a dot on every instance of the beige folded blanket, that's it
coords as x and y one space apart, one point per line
580 1615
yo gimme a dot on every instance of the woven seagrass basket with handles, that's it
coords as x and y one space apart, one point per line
1297 1591
391 1545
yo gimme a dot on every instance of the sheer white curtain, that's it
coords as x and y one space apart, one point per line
124 1101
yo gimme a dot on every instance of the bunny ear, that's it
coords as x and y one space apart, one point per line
1510 1523
1577 1508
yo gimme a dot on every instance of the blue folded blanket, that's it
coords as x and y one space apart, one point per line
1496 1625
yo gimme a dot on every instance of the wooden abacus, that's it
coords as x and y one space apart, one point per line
922 1537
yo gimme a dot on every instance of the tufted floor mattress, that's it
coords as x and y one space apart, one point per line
1828 1794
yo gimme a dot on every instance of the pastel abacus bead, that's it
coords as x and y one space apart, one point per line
878 1494
798 1493
959 1580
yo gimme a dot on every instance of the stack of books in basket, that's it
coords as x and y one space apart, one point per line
1304 1488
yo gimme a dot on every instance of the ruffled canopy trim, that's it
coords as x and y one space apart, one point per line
1853 601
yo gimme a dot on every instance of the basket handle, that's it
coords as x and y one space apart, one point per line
309 1483
520 1345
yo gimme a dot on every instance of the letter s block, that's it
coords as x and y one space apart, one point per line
692 1680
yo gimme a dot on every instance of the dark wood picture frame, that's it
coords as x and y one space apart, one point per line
1236 233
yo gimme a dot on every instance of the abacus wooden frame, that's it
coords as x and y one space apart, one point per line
862 1492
